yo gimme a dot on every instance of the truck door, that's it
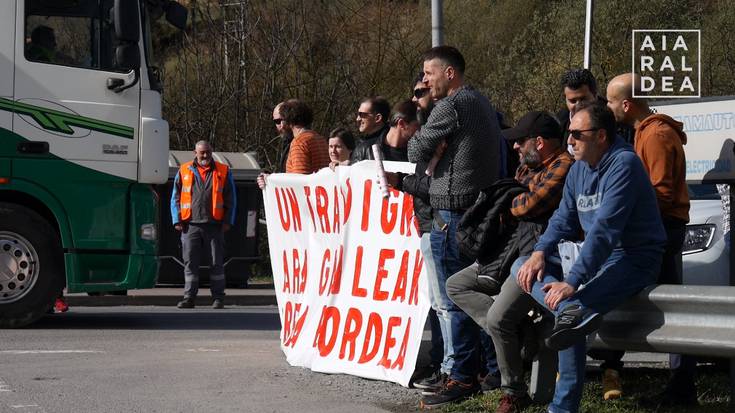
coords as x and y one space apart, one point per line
64 57
7 34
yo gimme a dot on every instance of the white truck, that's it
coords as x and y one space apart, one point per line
82 141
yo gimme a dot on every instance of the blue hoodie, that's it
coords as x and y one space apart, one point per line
614 204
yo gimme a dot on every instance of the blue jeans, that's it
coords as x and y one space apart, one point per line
436 353
621 276
459 331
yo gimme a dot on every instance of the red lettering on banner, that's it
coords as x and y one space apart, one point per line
288 209
404 346
385 254
307 194
407 218
372 336
330 282
294 281
322 206
356 290
353 323
286 276
330 328
413 297
347 201
389 212
335 214
399 291
328 314
367 190
293 323
389 341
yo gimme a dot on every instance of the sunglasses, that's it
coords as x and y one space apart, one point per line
577 134
364 115
277 121
420 92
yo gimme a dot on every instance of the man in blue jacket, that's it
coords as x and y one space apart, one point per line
607 197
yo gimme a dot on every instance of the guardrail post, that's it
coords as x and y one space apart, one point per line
543 375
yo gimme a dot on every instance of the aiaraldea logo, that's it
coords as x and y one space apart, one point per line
668 63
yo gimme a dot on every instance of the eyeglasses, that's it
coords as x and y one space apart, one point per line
576 134
363 115
277 121
420 92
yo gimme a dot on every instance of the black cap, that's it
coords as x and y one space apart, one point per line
534 124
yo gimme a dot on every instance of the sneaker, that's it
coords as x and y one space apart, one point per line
60 305
453 391
431 385
422 373
218 304
612 385
489 383
513 404
572 325
186 303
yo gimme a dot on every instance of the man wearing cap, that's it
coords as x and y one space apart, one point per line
544 163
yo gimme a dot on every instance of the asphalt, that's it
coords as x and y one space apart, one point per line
255 294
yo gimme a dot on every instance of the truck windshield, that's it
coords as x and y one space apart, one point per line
75 33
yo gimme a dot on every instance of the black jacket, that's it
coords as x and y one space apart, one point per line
491 235
364 149
417 184
485 225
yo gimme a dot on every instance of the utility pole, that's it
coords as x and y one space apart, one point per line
588 34
437 23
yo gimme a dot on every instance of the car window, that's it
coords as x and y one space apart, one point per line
703 191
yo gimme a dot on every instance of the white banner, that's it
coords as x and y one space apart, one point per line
348 272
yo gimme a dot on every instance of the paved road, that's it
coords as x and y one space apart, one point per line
159 359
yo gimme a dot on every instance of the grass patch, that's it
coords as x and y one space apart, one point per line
713 386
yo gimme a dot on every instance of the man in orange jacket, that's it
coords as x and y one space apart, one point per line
659 142
203 204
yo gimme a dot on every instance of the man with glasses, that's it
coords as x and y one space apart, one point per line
609 199
466 121
372 122
659 142
308 151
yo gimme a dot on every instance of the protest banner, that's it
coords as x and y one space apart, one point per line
348 272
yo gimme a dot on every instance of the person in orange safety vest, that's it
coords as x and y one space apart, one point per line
203 205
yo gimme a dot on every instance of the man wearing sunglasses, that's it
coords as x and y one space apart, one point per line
659 142
466 121
308 151
609 198
372 121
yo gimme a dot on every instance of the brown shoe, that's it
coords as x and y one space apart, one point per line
513 404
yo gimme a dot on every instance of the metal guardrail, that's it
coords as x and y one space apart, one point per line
697 320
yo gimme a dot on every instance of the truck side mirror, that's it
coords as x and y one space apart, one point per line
176 14
127 56
126 18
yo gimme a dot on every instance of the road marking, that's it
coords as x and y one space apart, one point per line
203 350
23 406
50 351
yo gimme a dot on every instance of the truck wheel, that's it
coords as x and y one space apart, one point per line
31 267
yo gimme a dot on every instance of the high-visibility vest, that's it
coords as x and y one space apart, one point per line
219 175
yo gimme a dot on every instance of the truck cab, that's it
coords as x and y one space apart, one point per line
82 141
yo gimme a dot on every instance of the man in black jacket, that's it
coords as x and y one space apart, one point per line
372 121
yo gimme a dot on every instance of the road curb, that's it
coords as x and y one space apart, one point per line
158 300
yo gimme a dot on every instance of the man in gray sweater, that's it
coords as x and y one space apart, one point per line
465 120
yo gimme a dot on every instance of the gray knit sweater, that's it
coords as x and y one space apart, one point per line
468 123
